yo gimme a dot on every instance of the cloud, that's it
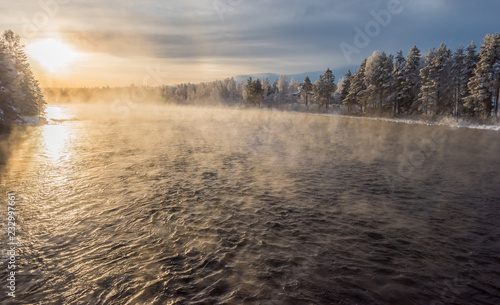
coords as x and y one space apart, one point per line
262 35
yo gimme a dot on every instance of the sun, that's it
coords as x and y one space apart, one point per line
52 54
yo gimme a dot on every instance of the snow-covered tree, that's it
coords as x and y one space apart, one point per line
283 87
434 77
485 83
357 95
274 87
230 86
397 83
457 84
293 86
254 91
266 86
324 89
20 92
378 78
346 85
305 91
410 80
469 65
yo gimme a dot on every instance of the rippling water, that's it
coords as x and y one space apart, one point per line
176 205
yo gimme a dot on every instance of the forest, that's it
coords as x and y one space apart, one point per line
20 92
464 83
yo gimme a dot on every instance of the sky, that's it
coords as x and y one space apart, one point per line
156 42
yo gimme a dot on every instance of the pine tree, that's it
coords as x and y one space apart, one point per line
274 87
427 95
410 80
324 89
470 61
433 91
357 92
306 89
266 87
397 83
485 83
254 91
346 86
20 92
258 92
457 79
247 94
373 78
387 81
378 78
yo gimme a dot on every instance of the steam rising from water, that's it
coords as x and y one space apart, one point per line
183 205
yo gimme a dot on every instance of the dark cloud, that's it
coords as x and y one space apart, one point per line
275 35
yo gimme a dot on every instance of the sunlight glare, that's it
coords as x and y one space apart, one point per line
54 139
55 113
52 54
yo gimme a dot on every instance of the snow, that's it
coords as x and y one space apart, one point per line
30 120
410 121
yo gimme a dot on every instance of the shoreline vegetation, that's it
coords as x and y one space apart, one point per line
439 87
21 98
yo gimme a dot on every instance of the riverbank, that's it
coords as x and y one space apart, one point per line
444 121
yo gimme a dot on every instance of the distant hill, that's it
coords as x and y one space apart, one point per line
339 73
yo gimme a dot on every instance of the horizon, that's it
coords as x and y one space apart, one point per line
75 44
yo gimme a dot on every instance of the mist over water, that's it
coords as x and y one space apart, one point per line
181 205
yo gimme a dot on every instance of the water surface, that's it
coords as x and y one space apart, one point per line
178 205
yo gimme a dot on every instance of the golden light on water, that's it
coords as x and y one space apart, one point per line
55 113
54 139
52 54
55 136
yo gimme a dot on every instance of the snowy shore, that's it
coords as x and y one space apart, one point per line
442 121
447 122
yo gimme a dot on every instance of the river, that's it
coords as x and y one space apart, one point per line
185 205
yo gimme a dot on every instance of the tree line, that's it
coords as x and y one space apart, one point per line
441 82
20 92
463 83
231 92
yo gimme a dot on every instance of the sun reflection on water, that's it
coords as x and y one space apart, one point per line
54 139
56 113
56 133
